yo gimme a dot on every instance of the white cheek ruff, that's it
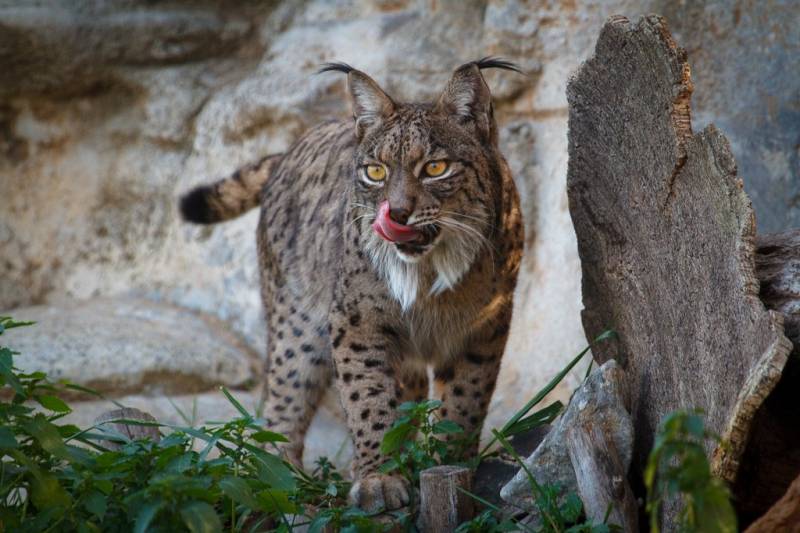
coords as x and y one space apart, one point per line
401 276
451 260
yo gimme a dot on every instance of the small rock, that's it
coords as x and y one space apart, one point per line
132 431
602 398
119 345
495 472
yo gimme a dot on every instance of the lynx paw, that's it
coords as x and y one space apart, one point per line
377 492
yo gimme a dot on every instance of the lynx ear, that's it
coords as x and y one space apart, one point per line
370 103
467 96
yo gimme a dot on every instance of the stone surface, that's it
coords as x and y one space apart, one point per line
118 345
602 400
666 238
109 109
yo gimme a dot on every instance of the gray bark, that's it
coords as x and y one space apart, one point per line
602 476
666 237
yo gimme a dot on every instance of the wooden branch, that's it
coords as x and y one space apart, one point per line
784 516
602 477
131 431
442 506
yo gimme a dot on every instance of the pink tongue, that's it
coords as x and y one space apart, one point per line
390 230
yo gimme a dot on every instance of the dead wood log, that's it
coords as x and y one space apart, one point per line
442 505
771 460
602 476
130 431
666 240
784 516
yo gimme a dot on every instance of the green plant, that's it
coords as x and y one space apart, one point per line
420 439
50 483
218 476
678 467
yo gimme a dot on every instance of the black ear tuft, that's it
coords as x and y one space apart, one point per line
336 67
496 62
195 207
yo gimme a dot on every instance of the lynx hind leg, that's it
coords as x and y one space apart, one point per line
413 380
299 372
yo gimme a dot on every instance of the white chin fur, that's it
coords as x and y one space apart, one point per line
450 259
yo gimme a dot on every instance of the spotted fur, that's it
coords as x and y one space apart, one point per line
344 304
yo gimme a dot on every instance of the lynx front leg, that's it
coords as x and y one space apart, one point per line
467 383
299 373
370 394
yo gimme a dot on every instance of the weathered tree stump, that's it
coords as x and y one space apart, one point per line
442 506
131 431
784 516
771 460
666 237
602 476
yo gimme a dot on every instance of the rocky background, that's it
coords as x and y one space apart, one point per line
110 109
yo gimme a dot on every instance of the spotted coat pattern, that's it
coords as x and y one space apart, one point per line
344 305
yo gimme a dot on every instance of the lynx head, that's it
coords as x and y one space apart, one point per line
427 175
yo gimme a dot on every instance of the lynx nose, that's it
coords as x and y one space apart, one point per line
399 214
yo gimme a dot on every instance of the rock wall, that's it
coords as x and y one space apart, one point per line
110 109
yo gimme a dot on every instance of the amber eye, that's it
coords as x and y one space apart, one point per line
376 172
435 168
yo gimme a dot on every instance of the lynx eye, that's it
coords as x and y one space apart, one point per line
435 168
376 172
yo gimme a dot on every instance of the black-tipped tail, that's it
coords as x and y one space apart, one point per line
195 207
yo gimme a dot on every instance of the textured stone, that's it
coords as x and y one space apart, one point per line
117 345
602 400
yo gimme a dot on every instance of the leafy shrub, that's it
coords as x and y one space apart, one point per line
678 467
58 477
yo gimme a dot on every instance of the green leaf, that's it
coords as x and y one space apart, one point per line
7 438
572 508
320 521
53 403
7 370
145 515
6 322
268 436
276 501
48 436
394 439
47 492
239 407
200 517
446 427
96 503
272 470
239 491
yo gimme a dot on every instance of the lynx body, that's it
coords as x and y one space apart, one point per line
387 245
